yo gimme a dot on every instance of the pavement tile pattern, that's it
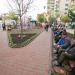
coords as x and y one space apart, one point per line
30 60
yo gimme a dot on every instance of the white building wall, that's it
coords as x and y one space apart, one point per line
56 7
64 5
26 22
50 6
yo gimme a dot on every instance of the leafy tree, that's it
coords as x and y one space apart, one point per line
21 7
52 20
13 16
65 19
41 18
72 15
57 14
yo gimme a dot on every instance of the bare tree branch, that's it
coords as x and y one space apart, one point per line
26 7
10 5
22 7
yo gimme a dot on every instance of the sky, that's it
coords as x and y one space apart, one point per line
37 7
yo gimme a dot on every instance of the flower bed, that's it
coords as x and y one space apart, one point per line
20 40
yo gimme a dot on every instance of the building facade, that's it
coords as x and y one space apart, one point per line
73 3
64 7
59 7
50 6
56 8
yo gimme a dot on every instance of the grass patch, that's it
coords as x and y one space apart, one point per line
15 40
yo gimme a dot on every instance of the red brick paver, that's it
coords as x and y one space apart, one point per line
30 60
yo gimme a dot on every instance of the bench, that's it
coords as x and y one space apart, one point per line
59 70
72 63
68 65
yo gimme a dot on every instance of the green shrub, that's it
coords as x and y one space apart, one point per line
15 40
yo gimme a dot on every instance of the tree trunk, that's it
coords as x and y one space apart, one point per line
16 24
21 35
21 25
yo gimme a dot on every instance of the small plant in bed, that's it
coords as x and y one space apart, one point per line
20 40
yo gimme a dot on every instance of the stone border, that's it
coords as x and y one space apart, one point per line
10 43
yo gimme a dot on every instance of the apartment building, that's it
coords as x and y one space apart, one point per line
64 6
72 2
59 7
56 8
50 6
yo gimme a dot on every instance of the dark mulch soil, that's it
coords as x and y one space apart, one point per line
18 40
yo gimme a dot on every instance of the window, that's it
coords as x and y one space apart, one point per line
66 4
48 7
52 3
66 8
52 8
72 0
56 10
57 6
65 13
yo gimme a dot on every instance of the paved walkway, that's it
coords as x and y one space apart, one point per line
70 31
3 40
33 59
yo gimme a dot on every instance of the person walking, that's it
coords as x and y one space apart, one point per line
3 26
47 26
